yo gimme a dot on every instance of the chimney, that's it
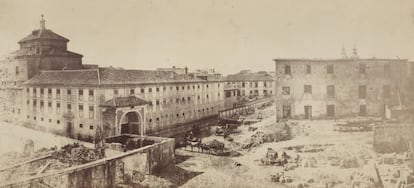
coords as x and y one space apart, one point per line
186 70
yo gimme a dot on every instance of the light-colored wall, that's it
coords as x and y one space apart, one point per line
250 87
346 80
53 119
165 112
168 108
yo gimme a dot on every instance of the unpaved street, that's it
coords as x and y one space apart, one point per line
327 157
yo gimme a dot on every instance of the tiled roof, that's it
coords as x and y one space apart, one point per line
111 76
43 34
51 51
65 78
108 76
124 102
257 76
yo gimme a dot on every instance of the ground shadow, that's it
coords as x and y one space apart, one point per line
181 158
176 175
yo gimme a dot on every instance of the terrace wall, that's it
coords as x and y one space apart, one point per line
126 168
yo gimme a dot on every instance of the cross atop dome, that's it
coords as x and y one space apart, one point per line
42 23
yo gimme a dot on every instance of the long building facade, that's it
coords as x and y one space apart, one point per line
247 85
333 88
47 87
75 102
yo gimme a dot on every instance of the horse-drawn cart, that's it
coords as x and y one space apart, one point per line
213 147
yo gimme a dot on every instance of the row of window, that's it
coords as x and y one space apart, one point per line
91 92
251 84
331 91
68 107
42 119
9 83
183 114
158 89
58 122
68 93
6 74
330 111
233 93
330 69
90 126
229 94
177 100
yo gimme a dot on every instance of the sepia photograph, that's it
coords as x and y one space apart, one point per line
207 94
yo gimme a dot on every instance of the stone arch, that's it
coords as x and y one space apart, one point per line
131 122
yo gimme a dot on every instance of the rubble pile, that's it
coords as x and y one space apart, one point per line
394 172
76 154
357 125
10 171
311 148
280 178
346 156
327 179
393 158
359 179
256 139
14 157
16 166
266 135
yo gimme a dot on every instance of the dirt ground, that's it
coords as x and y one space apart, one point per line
221 171
328 159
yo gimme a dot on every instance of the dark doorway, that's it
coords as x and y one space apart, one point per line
286 111
69 129
130 123
362 110
308 112
330 110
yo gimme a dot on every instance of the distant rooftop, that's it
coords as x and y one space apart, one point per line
247 75
338 59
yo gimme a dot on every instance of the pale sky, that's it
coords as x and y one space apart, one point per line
228 35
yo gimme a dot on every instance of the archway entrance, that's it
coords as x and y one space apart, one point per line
130 123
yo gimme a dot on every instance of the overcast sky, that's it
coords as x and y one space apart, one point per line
227 35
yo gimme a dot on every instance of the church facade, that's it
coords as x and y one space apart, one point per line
45 86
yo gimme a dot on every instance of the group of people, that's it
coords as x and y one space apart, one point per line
272 157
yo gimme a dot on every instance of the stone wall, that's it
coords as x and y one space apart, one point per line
128 167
